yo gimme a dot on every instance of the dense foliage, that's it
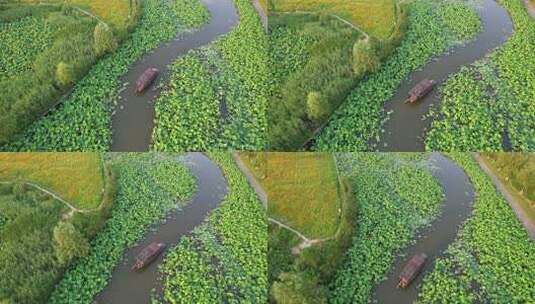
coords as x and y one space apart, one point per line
491 104
391 207
29 82
216 98
39 238
308 55
492 252
148 187
82 122
28 264
224 259
359 119
21 41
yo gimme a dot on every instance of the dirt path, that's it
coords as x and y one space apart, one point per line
530 7
513 202
56 197
262 195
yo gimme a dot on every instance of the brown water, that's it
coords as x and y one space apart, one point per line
405 128
127 286
133 121
433 241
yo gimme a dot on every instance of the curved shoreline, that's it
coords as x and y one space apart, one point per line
127 286
405 127
133 118
434 240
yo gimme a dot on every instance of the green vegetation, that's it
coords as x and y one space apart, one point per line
76 177
82 121
391 207
41 237
28 69
224 259
307 53
359 119
216 98
492 251
148 188
318 57
488 106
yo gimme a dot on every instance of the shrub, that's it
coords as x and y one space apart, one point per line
365 57
299 288
19 190
69 243
317 106
104 39
6 189
64 74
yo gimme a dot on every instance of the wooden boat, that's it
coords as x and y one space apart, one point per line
147 255
411 270
146 79
420 90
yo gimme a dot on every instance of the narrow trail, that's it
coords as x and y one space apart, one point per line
261 13
56 197
133 118
513 202
405 128
127 286
434 240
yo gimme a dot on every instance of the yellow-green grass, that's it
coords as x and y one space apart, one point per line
116 13
264 4
302 190
376 17
76 177
516 171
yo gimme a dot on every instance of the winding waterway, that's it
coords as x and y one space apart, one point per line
127 286
405 128
434 240
133 120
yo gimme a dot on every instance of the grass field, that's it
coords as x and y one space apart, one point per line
76 177
302 190
376 17
517 172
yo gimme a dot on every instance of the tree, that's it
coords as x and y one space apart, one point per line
365 57
317 106
69 243
64 74
104 39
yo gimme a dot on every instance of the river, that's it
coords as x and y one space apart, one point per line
434 240
133 121
127 286
405 128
